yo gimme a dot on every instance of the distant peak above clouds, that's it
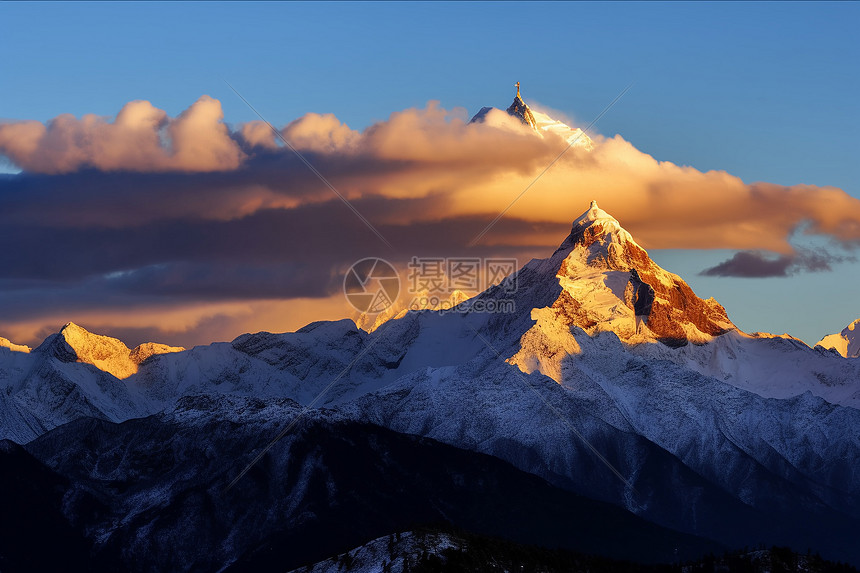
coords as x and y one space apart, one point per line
541 123
520 109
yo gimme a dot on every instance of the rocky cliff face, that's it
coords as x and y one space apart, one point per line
520 109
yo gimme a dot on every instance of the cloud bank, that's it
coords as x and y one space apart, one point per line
145 211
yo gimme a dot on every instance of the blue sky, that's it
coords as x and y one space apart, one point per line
764 91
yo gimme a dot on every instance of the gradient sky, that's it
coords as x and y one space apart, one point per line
764 91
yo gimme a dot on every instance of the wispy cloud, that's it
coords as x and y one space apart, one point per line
755 264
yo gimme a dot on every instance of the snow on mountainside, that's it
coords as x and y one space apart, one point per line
540 122
329 484
846 343
40 391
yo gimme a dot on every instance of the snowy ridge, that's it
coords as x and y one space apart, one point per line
846 343
74 343
770 366
5 343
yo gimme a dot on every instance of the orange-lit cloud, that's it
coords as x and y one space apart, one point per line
141 138
467 170
477 170
114 219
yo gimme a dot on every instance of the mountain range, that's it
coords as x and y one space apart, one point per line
558 424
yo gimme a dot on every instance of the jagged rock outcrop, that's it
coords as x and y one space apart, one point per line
520 109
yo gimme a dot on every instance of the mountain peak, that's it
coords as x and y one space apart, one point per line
593 214
846 343
603 273
72 330
521 110
74 343
602 234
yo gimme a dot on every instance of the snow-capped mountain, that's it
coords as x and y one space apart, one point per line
72 374
585 377
677 417
540 122
76 344
593 268
846 343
